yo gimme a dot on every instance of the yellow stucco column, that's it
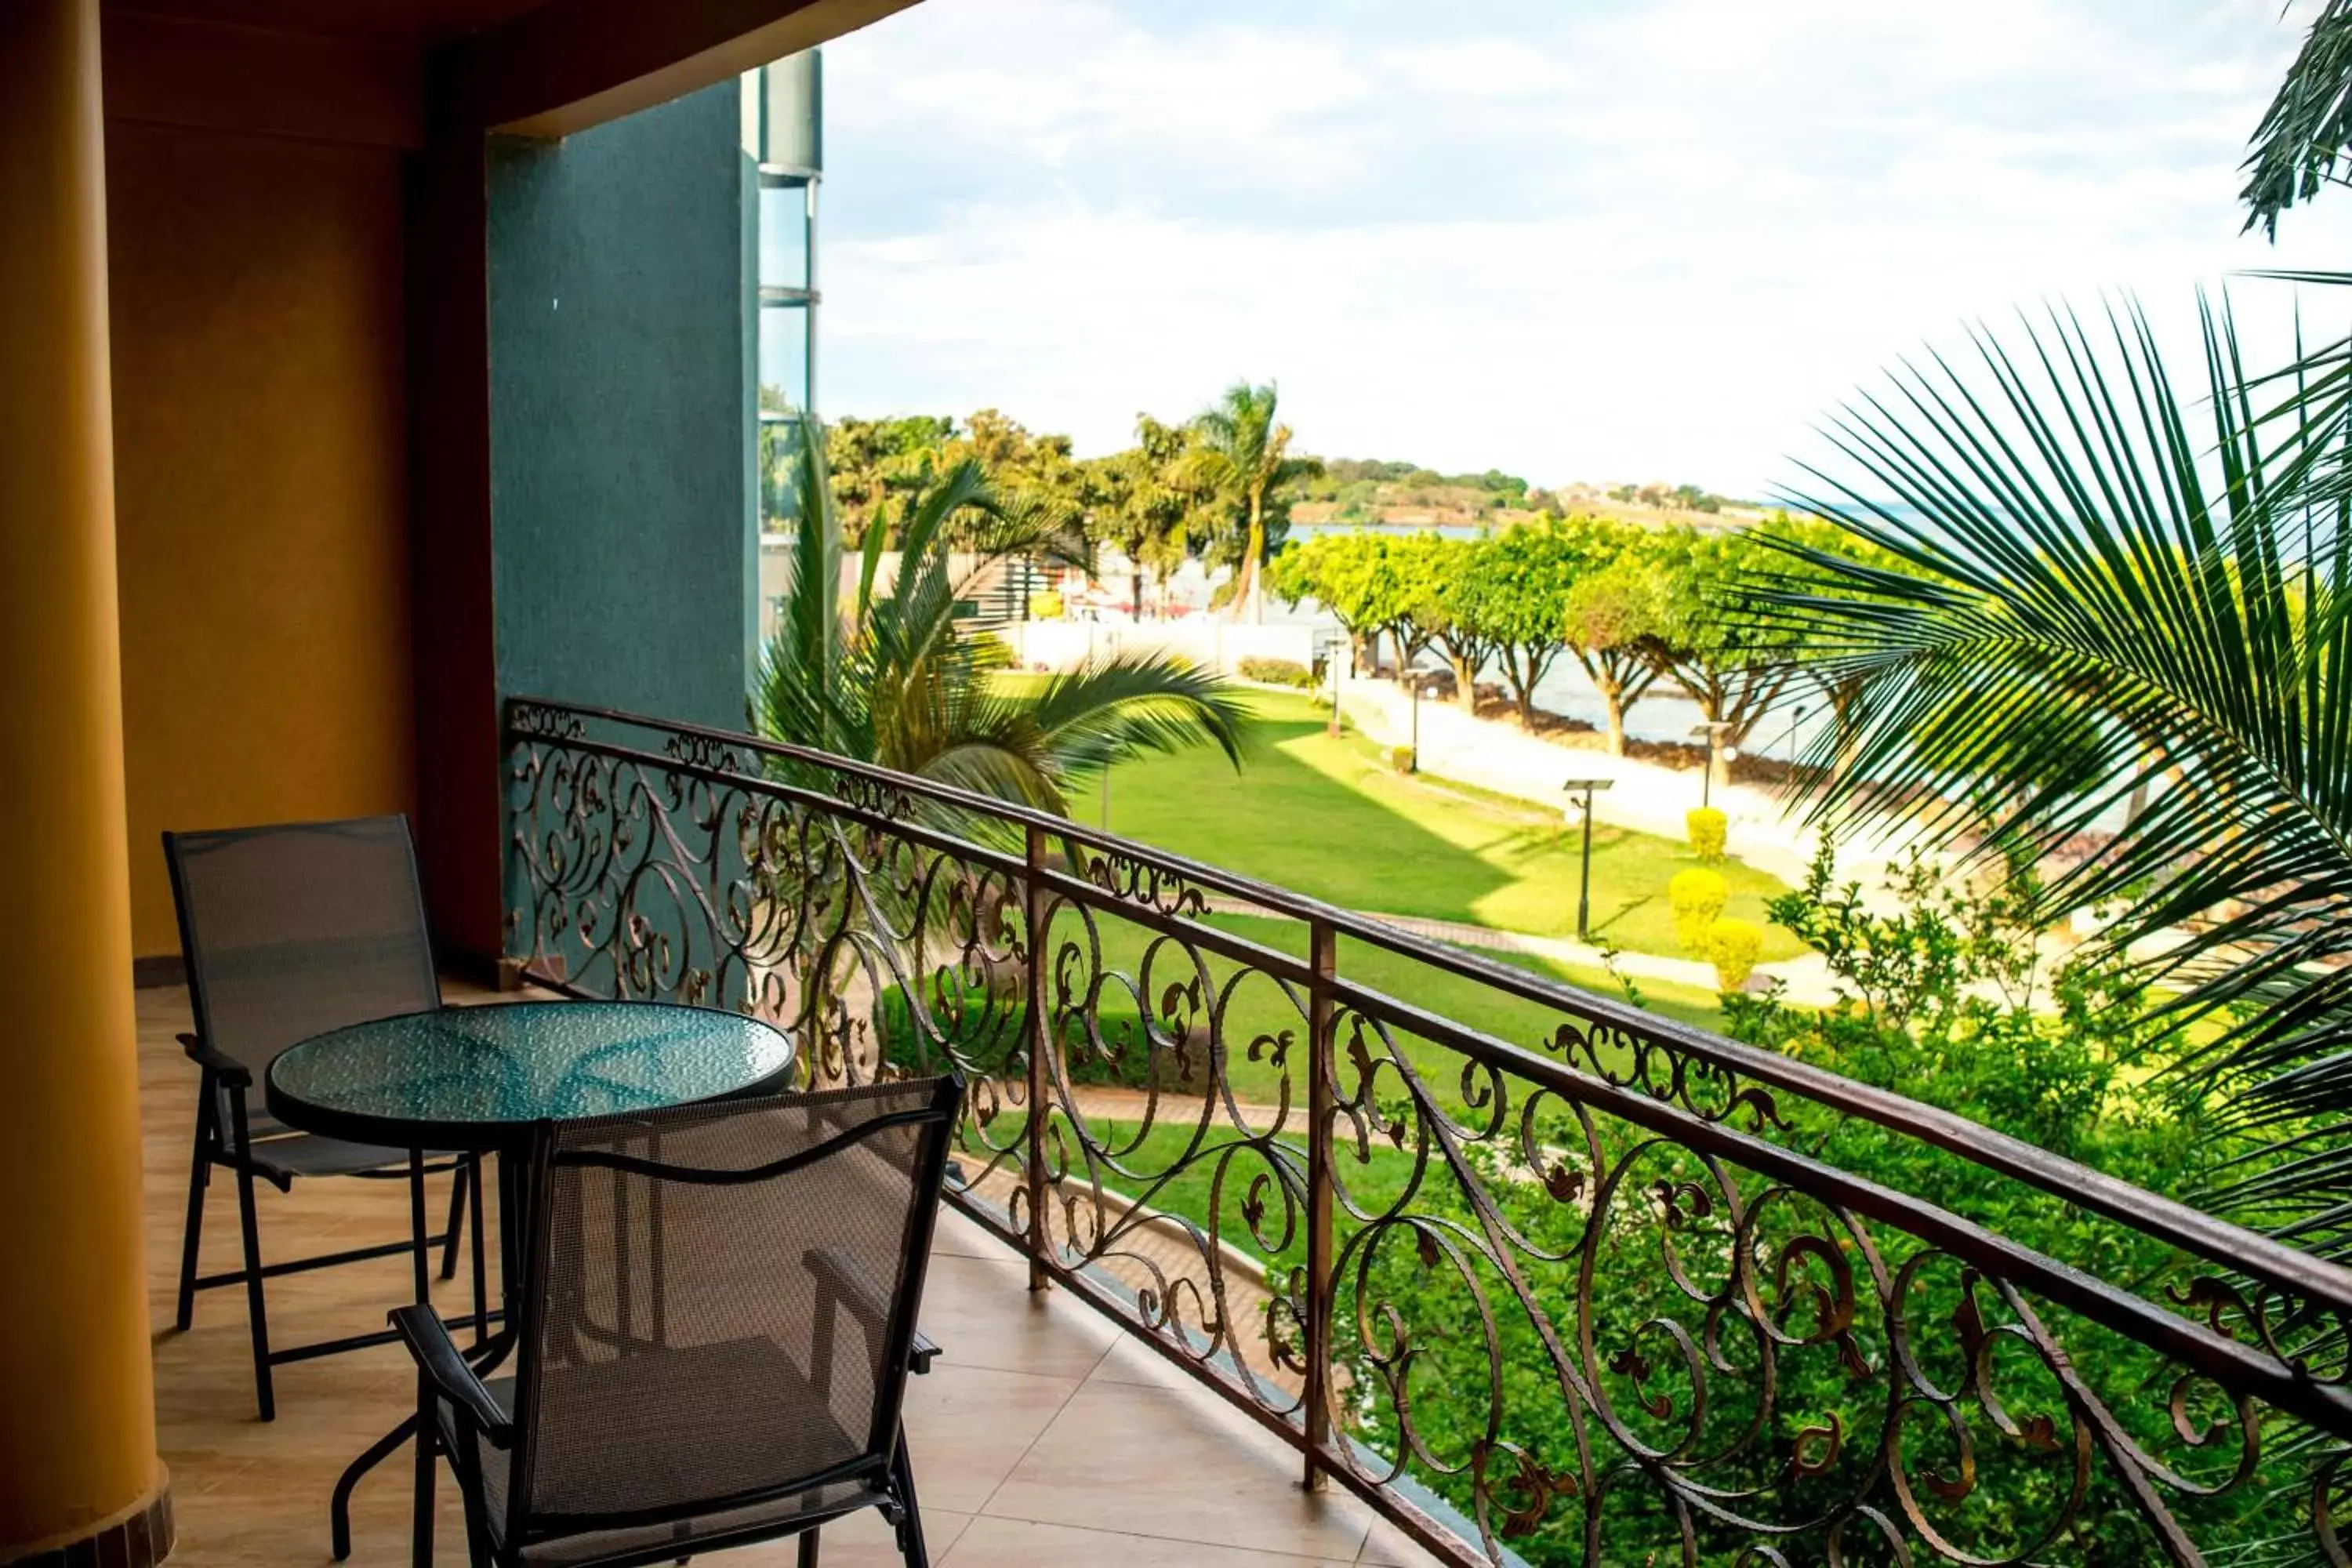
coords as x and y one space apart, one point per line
77 1398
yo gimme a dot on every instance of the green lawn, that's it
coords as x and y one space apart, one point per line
1329 819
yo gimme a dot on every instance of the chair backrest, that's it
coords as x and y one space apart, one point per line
293 929
719 1303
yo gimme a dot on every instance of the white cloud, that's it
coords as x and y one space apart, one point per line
1634 239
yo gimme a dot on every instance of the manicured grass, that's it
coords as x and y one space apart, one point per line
1329 819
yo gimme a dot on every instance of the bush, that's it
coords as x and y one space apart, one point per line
1709 831
1731 946
1403 759
1047 606
1277 672
1696 898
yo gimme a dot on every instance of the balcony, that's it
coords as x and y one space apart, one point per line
1329 1276
1044 1438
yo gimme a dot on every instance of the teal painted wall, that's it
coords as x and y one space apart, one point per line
623 302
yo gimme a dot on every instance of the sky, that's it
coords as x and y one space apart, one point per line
1578 240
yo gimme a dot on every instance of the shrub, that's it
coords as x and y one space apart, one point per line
1277 672
1403 759
1697 898
1709 830
1047 606
1731 946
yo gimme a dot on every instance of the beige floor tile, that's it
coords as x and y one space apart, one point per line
981 1312
958 1236
1389 1547
1016 1544
1165 1463
967 1427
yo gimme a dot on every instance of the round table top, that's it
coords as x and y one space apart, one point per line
480 1077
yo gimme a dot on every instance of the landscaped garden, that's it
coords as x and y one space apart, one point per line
1329 817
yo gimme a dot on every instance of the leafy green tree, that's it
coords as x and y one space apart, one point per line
1355 576
893 676
1514 596
871 461
1135 501
1445 603
1241 458
1707 638
1610 616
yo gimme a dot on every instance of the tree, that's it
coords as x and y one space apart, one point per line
1352 575
1610 616
1514 594
1135 502
893 678
1445 604
1243 458
870 460
2114 590
1707 638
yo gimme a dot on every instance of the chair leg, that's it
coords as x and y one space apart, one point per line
456 1218
257 1308
429 1433
420 1249
808 1549
481 1259
911 1530
200 1169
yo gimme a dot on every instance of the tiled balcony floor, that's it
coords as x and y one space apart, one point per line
1041 1438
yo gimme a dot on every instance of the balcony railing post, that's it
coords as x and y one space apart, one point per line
1033 900
1323 959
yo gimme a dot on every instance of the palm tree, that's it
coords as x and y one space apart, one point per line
894 679
2087 592
1243 455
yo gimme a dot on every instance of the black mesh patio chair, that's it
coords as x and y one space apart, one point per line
716 1325
288 932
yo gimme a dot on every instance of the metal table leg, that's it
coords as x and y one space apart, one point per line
486 1353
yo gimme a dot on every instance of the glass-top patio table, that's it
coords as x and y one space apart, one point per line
482 1079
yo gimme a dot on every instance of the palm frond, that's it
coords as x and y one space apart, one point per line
2094 578
2298 148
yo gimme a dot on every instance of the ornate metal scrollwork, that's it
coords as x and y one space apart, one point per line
1593 1302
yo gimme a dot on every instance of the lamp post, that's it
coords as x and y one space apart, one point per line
1338 648
1412 683
1794 719
1584 874
1712 733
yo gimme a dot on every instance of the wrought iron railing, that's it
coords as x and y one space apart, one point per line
1541 1276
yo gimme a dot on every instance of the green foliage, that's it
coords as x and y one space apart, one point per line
1732 946
893 678
1138 502
1610 613
1704 635
1942 1002
2299 148
1240 460
1697 898
1709 831
1277 672
2103 584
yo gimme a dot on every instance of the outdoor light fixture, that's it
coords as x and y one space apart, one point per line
1584 875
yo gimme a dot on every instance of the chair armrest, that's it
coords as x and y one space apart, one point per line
228 1069
856 1290
428 1338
